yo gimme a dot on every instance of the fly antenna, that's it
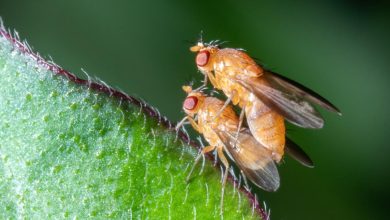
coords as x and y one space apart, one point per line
200 37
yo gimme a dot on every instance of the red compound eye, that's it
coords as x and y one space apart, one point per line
190 102
202 58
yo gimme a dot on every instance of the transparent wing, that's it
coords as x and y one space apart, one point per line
289 99
252 158
298 154
301 91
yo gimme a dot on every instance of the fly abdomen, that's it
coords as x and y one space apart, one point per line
267 127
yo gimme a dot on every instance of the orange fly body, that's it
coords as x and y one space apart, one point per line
266 98
219 129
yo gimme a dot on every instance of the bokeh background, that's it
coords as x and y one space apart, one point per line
340 49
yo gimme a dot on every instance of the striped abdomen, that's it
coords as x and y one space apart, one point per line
266 126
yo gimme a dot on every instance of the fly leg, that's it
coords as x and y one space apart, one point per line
227 102
181 123
204 151
204 81
204 84
195 125
245 180
212 79
225 174
241 119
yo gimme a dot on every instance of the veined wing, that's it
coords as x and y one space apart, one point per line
289 99
302 91
298 154
252 158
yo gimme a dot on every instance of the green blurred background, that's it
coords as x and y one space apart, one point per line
338 48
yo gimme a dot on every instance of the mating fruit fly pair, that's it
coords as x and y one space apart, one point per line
266 99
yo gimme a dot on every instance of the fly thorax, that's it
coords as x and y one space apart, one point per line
202 116
219 66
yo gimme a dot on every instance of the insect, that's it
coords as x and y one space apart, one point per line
266 98
252 158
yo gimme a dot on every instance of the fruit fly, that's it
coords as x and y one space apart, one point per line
219 129
266 98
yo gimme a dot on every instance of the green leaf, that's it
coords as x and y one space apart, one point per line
70 148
